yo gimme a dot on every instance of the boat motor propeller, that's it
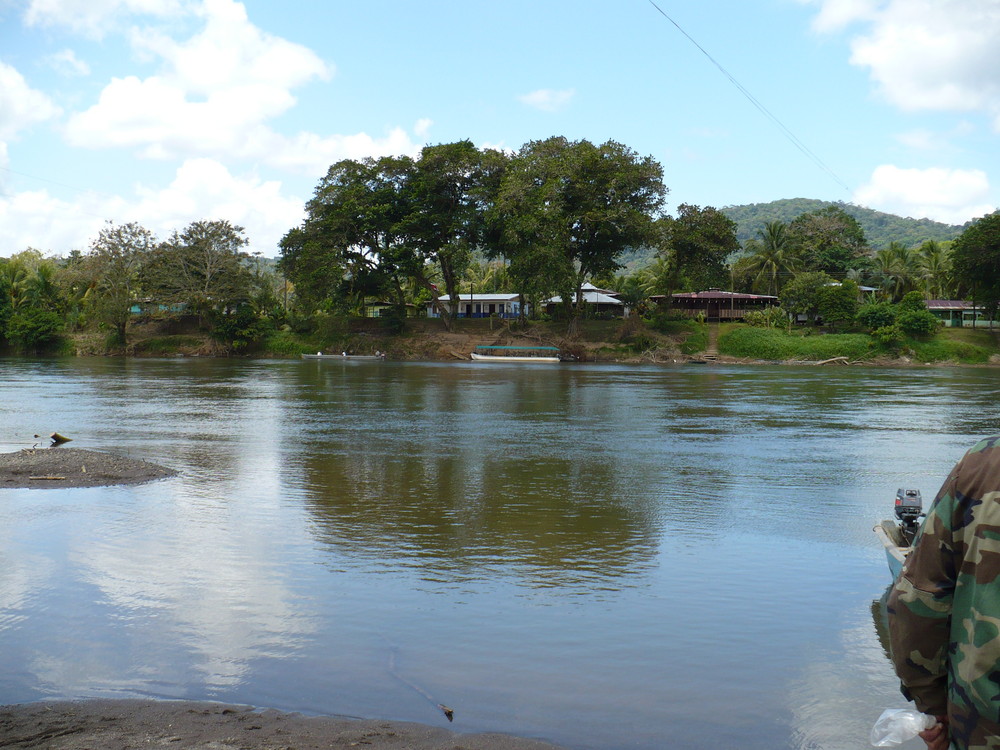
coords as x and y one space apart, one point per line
909 509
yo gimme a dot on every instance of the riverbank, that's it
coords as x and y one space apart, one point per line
121 724
660 341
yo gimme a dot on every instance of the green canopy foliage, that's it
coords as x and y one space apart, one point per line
696 244
976 261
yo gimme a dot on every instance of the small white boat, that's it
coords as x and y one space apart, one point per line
320 355
896 537
516 354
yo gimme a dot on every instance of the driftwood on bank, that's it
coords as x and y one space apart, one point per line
834 360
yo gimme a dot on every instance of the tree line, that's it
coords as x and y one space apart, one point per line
202 270
538 221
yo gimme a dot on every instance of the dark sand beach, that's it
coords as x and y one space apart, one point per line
129 724
44 468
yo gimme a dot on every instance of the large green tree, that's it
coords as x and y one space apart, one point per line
114 264
976 262
804 294
828 240
204 266
696 245
452 187
567 211
352 241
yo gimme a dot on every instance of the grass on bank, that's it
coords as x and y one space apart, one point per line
947 345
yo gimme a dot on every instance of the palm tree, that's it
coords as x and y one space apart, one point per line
13 281
935 269
771 257
897 269
656 277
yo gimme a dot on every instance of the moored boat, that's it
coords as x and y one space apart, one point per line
320 355
897 536
516 354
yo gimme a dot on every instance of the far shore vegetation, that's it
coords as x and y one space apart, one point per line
384 238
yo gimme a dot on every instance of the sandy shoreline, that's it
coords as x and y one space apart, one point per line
126 724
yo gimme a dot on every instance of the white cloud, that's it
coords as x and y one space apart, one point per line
20 105
67 63
217 90
952 196
214 97
37 219
205 189
925 54
201 189
548 100
836 14
95 17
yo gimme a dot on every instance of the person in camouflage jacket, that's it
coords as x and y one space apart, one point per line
944 609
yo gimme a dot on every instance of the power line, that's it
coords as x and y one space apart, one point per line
756 103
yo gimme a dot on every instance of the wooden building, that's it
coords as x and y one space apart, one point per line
717 305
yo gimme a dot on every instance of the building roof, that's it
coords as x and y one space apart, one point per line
949 304
591 297
481 297
719 294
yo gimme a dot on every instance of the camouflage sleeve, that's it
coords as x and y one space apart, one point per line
920 607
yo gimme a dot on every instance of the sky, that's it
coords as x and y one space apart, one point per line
166 112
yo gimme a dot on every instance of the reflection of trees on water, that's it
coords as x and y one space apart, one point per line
545 516
565 472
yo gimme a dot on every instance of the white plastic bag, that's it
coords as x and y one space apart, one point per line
897 725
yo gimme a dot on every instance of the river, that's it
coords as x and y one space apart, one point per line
606 557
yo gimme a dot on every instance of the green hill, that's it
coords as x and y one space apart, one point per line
880 228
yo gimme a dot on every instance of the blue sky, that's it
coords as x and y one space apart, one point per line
164 112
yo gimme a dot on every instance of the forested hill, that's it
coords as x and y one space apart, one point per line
880 228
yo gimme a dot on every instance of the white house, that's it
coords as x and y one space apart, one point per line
479 306
600 300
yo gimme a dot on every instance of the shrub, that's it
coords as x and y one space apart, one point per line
242 329
913 301
878 315
285 344
917 322
890 336
771 317
33 329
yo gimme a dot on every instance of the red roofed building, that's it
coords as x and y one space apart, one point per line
716 304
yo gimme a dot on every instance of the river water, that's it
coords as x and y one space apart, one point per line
606 557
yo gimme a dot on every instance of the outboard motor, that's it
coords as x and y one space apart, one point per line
909 509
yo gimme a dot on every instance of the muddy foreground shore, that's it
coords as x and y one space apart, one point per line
180 725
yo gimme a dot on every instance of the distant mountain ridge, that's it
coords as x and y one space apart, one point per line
880 228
